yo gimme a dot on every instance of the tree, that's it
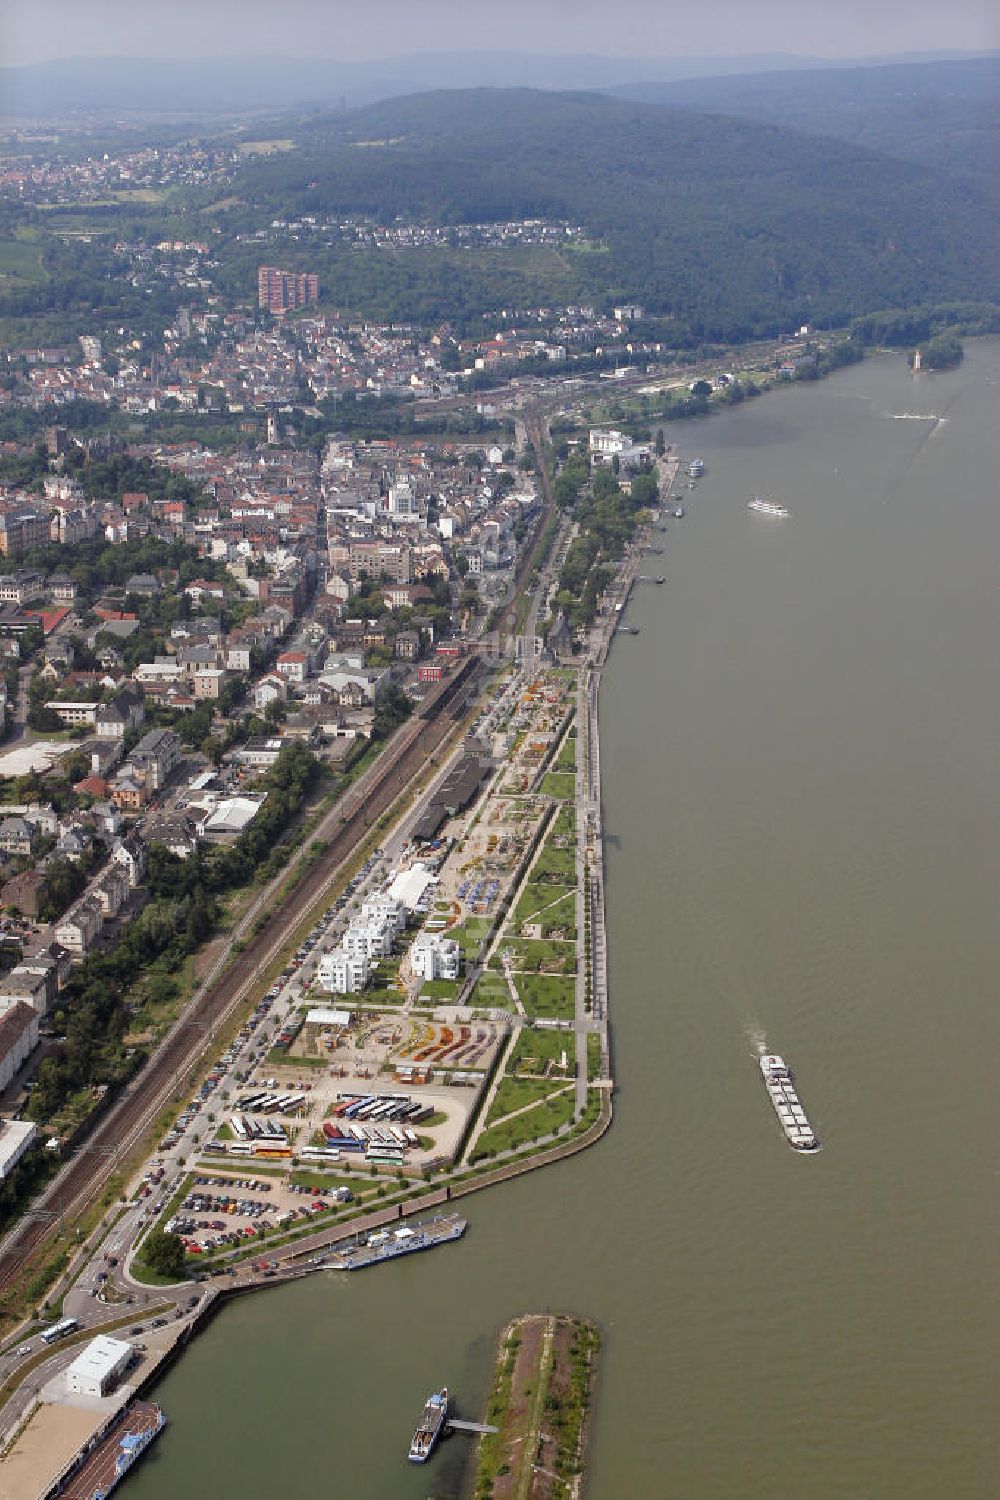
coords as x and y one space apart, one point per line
660 446
164 1254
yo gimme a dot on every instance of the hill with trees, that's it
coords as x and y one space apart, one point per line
733 227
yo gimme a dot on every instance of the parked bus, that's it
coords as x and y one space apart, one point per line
384 1155
238 1128
240 1148
60 1330
272 1150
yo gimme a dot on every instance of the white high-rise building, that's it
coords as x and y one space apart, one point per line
402 502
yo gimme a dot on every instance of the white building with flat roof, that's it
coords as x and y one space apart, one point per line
435 957
327 1015
605 442
382 908
341 973
16 1137
371 939
99 1367
410 887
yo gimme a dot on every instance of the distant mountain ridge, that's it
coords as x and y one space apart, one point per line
212 87
943 114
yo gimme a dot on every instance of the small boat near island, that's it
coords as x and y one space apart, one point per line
767 507
431 1425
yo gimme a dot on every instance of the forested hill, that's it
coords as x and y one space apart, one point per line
943 114
733 226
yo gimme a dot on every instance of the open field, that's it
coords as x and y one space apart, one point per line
265 148
21 261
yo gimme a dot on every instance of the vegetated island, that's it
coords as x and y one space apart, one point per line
942 352
540 1404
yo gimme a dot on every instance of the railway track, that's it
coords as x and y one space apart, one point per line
167 1072
535 434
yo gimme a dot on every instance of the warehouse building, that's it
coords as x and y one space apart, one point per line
16 1137
458 790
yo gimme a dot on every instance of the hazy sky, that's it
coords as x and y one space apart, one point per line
35 30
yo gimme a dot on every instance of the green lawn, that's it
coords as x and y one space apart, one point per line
535 1048
536 896
560 915
561 784
547 995
535 954
565 824
566 759
358 1185
440 989
469 934
383 989
541 1121
491 991
21 261
516 1093
555 865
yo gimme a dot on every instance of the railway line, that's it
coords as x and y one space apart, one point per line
84 1176
535 433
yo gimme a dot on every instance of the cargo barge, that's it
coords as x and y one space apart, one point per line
787 1106
767 507
431 1427
387 1244
107 1464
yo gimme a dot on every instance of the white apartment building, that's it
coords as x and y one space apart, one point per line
435 957
368 939
342 974
383 909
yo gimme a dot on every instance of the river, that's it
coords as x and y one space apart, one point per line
800 758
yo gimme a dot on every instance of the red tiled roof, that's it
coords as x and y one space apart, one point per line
50 618
92 786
